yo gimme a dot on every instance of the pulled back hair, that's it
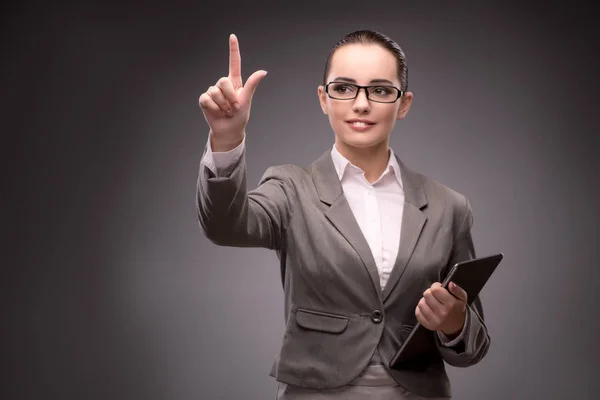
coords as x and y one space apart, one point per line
373 37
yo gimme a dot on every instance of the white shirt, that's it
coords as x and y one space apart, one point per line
377 206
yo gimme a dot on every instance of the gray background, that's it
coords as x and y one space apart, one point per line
111 290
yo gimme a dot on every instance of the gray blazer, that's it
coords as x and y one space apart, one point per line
336 315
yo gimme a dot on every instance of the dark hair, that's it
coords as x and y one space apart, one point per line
373 37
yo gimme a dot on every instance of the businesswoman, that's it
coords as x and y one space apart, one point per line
363 240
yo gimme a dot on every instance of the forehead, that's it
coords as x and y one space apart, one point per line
363 62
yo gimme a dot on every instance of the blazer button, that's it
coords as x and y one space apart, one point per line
376 316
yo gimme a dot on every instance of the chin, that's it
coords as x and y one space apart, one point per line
359 140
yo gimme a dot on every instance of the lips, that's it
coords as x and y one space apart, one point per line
360 125
360 122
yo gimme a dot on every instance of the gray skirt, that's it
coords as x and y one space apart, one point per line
375 383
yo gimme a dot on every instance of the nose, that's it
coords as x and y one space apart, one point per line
361 102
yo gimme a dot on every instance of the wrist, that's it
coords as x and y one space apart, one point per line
455 330
220 143
451 335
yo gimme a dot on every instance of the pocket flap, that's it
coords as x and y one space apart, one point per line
319 321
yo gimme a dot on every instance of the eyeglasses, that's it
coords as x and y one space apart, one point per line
349 91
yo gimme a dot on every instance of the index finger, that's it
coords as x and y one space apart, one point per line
235 62
442 295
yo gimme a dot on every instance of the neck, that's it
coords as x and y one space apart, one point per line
372 160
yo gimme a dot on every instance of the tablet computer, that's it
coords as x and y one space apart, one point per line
471 276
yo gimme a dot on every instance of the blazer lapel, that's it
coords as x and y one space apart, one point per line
340 215
413 221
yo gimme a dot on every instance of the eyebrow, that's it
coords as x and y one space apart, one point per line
341 78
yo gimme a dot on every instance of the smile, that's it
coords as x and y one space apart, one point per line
360 125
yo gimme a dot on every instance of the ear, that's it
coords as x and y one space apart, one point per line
322 98
405 103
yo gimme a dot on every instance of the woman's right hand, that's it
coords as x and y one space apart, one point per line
226 105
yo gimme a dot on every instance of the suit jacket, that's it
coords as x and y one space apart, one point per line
336 314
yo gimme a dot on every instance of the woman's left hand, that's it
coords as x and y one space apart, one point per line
440 310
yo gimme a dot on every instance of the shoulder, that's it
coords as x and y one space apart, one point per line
448 204
289 172
297 174
292 176
438 194
444 193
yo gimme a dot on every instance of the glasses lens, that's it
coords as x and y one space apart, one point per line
383 93
338 90
347 91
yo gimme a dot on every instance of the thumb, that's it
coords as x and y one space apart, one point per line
458 292
252 83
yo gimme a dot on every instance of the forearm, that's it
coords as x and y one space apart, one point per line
230 215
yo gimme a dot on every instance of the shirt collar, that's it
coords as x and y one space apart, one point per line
341 165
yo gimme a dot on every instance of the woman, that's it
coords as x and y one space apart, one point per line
363 240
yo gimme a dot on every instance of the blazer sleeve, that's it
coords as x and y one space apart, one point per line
476 340
229 215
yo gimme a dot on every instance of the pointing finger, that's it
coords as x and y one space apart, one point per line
235 62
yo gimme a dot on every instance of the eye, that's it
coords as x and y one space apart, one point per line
381 90
342 88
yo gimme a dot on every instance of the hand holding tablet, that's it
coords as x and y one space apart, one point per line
471 276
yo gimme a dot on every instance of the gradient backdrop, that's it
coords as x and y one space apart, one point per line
112 292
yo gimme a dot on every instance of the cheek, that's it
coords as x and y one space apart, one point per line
337 113
390 114
336 109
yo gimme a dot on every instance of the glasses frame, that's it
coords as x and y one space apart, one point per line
400 92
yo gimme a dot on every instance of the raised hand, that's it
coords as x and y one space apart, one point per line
226 105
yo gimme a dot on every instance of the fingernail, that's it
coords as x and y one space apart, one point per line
236 106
